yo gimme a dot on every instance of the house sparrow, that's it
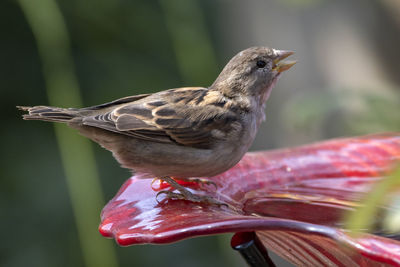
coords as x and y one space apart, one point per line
185 132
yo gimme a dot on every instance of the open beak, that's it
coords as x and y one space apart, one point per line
280 65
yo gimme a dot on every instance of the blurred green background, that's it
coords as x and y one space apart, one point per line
81 53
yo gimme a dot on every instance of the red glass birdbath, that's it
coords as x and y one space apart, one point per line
290 201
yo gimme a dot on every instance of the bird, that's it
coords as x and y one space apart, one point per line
182 133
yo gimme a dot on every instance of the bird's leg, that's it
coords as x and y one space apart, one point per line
200 181
184 193
183 182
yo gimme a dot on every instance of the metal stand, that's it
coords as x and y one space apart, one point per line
251 249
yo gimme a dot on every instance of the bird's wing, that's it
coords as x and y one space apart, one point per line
193 117
117 102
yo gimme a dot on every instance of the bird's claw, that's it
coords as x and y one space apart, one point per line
186 195
202 181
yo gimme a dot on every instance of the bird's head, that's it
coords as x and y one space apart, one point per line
253 72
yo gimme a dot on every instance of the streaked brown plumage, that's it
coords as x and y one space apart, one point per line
185 132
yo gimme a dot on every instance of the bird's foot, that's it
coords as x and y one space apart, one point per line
185 194
191 197
200 181
182 181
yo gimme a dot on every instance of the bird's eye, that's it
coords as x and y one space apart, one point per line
261 63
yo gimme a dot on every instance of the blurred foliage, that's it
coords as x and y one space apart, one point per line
62 89
369 217
344 112
301 3
186 26
391 221
122 48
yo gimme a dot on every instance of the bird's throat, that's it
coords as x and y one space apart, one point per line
267 91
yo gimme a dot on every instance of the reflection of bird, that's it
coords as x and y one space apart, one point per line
186 132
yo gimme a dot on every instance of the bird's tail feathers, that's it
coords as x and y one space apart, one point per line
45 113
